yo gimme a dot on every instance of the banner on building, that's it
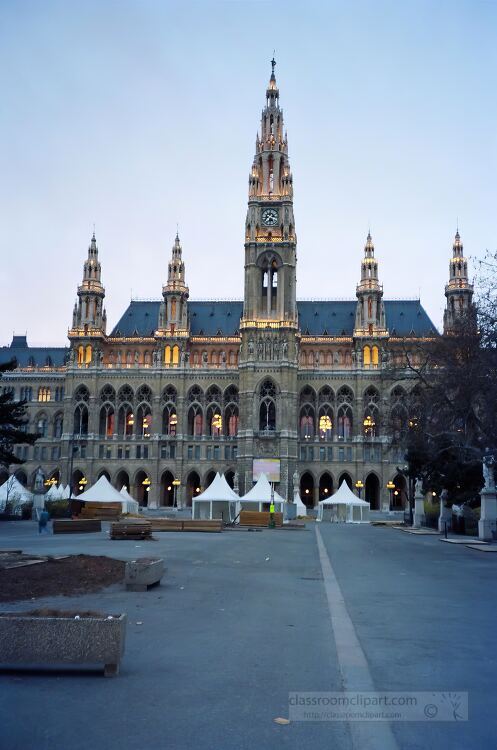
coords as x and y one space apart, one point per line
268 466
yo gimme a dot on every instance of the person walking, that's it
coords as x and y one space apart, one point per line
43 521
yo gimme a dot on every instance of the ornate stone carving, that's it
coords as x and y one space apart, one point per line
265 447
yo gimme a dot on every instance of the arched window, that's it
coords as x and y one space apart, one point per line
106 428
325 423
143 412
58 425
213 395
175 354
267 407
81 355
344 413
195 420
215 421
44 393
42 425
195 394
81 419
399 417
169 420
307 423
371 420
366 356
88 354
374 356
231 420
126 421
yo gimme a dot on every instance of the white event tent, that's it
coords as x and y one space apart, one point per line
103 492
133 505
260 495
13 491
343 507
217 501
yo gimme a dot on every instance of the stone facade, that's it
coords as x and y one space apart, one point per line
181 389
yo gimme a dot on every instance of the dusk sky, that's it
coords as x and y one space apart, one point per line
136 116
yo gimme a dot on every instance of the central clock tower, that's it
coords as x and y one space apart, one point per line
269 324
270 241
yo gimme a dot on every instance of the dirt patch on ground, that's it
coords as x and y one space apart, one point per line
78 574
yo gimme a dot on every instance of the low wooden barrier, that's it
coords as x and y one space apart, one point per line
173 524
131 530
256 518
215 524
101 511
76 526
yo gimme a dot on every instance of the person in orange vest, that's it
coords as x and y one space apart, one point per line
271 510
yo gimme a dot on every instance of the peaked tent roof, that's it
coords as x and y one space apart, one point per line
12 489
261 492
343 496
218 489
124 492
101 492
130 505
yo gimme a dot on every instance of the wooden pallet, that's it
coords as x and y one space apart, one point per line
256 518
76 526
131 530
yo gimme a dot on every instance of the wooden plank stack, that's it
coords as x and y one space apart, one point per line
101 511
76 526
178 524
131 530
256 518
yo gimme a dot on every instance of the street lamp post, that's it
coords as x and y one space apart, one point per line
359 485
391 487
176 484
146 484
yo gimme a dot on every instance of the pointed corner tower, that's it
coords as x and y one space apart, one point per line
459 292
270 240
173 314
89 318
370 323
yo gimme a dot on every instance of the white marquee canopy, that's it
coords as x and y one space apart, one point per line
260 495
217 501
343 507
103 492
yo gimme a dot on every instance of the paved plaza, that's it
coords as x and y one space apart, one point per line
242 619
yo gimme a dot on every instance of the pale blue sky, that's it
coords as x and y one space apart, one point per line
137 115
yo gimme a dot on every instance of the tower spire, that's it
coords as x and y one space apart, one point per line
89 319
173 316
270 240
370 312
459 292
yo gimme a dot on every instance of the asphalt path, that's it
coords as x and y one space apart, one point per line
244 619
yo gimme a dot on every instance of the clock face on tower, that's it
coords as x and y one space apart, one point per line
270 217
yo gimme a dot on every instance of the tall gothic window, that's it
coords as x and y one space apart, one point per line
371 420
307 423
267 407
344 413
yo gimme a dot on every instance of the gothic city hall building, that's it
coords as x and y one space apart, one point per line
181 389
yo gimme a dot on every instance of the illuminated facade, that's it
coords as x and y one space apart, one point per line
180 389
